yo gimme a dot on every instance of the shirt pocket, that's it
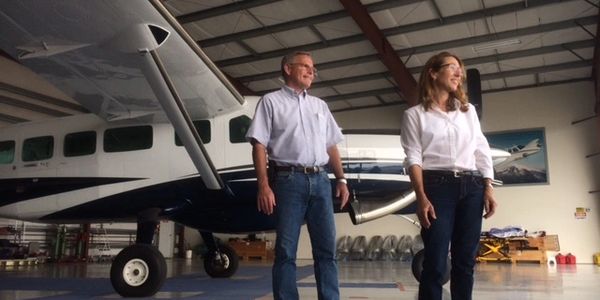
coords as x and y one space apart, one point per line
322 125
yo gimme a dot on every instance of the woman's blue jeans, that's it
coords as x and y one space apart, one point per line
304 198
458 204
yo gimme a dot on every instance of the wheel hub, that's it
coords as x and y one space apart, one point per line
135 272
221 261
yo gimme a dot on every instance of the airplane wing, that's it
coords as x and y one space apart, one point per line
121 59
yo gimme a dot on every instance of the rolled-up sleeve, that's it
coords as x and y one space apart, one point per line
334 133
483 154
410 138
260 128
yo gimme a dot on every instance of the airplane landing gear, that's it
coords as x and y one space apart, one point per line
417 267
138 271
220 261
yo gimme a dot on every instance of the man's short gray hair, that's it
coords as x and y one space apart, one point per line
288 58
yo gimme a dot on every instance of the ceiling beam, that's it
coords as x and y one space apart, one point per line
501 35
373 7
550 83
472 16
320 67
221 10
33 107
468 62
368 106
11 119
487 76
547 83
437 11
535 70
41 97
471 61
361 94
240 87
387 54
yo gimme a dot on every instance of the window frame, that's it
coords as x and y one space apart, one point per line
95 145
107 135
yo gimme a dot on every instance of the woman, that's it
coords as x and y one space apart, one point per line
450 168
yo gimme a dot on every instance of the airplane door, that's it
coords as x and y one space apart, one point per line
7 157
37 157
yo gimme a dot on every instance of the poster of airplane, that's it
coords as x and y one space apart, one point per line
528 162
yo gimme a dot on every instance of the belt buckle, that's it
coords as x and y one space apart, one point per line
311 170
456 174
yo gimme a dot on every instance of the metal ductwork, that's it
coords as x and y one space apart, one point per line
365 209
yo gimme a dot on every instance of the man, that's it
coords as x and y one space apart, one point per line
299 135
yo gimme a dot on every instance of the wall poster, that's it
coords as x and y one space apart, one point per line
528 162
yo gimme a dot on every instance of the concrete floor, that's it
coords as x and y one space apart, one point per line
358 280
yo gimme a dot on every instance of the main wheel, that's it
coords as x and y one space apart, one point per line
221 264
417 267
138 271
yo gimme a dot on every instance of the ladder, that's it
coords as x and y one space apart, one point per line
102 244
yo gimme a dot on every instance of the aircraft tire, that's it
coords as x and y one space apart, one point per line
417 266
224 267
138 271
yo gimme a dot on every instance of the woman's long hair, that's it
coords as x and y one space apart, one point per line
426 84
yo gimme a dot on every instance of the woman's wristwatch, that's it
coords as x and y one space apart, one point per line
341 180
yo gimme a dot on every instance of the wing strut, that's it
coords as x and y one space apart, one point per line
146 39
173 106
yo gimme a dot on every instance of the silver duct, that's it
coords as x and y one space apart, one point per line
367 209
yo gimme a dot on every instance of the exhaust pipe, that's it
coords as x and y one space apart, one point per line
367 209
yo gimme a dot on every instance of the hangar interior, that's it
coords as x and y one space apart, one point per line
538 71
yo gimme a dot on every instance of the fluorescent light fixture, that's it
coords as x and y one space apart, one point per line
495 45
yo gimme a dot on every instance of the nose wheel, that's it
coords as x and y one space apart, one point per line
221 263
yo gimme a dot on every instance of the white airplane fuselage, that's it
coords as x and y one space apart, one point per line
114 186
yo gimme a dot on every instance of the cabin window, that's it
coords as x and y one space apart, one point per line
7 152
38 148
203 128
237 129
128 138
80 143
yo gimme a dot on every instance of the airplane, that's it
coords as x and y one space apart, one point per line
164 139
518 152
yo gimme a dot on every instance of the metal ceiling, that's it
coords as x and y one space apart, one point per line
554 42
369 53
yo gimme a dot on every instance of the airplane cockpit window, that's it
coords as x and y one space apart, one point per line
7 152
238 127
203 128
38 148
128 138
80 143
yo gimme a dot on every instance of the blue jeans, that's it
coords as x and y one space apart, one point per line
458 204
299 198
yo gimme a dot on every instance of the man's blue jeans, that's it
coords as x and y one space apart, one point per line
458 204
304 197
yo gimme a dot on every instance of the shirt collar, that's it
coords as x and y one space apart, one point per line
436 106
290 91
